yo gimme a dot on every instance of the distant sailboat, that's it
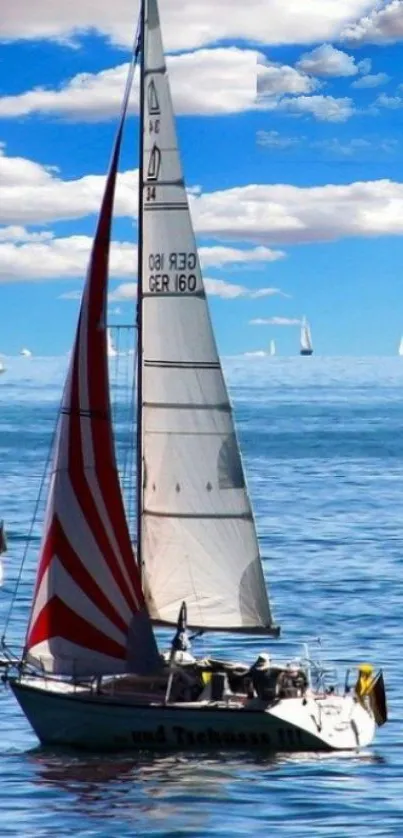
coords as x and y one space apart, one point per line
2 367
306 339
272 348
400 350
110 345
26 353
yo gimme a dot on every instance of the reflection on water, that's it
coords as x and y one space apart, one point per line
187 788
62 768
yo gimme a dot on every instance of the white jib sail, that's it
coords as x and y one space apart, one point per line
199 540
400 350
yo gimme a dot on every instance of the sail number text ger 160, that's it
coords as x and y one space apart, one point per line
172 273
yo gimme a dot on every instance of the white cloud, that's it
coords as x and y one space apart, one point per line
123 293
391 102
357 145
323 108
203 82
19 170
327 61
214 287
20 234
216 81
71 295
374 80
342 149
277 79
383 25
273 139
275 321
226 290
56 258
268 292
36 256
219 256
284 213
365 65
185 25
34 194
260 213
333 145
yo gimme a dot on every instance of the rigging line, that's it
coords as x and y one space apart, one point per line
113 344
131 448
29 537
116 348
128 418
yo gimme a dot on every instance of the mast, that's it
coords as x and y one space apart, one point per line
139 319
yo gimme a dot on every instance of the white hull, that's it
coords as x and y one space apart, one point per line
79 717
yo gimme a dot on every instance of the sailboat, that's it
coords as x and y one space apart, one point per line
110 346
272 348
26 353
2 367
400 350
306 339
91 674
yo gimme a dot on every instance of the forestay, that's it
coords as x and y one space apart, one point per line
198 539
88 614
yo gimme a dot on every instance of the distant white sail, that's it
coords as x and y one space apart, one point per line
400 350
306 339
272 348
2 367
26 353
110 345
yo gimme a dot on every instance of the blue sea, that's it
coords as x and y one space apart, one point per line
322 441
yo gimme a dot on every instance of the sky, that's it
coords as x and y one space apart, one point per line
290 120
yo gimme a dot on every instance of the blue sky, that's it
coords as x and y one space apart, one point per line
290 123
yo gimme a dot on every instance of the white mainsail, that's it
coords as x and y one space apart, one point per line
272 348
306 339
400 350
198 536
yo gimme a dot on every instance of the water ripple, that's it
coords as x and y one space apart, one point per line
322 445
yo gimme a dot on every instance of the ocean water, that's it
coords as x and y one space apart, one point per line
323 448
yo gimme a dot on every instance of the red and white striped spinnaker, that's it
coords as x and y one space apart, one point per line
88 614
